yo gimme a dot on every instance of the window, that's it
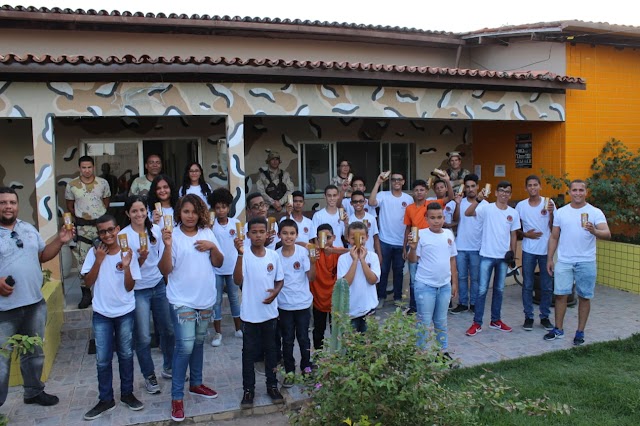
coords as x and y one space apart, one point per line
319 163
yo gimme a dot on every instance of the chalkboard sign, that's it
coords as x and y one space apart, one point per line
524 152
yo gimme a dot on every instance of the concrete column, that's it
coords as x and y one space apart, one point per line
237 173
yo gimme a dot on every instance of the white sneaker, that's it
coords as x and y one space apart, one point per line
217 340
239 333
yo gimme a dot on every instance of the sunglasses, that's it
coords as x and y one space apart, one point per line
15 236
104 232
396 179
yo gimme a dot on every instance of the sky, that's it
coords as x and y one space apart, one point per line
442 15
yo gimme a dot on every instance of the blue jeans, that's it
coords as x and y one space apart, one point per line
295 325
391 257
232 294
27 320
499 269
153 300
468 263
190 328
104 329
433 305
413 268
529 262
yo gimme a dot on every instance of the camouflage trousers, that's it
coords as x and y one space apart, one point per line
82 247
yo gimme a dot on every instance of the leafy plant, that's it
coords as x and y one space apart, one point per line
383 378
19 344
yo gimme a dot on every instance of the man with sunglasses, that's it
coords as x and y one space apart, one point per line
22 307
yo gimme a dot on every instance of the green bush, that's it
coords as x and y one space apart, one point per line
383 378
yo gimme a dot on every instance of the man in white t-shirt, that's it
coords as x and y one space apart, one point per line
536 215
330 214
468 244
499 225
358 184
575 230
295 212
392 209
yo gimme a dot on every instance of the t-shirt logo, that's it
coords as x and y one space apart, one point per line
296 266
368 224
232 232
544 212
404 204
509 219
306 230
270 267
119 267
449 241
448 208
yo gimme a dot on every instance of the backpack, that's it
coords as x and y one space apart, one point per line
275 191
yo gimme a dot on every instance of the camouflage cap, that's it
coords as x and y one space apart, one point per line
272 155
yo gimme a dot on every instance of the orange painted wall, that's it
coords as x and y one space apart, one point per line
608 108
494 143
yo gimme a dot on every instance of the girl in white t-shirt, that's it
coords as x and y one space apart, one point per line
193 183
224 229
163 190
150 292
190 251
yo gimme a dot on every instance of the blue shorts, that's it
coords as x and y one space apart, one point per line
582 273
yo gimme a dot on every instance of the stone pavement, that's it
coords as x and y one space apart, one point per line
73 378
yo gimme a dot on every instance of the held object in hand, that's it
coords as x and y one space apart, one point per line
509 257
10 281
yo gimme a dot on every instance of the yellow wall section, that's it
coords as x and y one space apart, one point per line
494 143
608 108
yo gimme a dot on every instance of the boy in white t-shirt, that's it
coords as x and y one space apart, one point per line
295 299
361 269
499 225
358 201
330 214
295 212
112 272
436 276
261 277
358 184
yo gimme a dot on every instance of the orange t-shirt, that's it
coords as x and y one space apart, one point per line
415 216
326 276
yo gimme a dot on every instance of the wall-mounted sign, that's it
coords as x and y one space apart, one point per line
524 151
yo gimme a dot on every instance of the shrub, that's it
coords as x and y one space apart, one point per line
383 378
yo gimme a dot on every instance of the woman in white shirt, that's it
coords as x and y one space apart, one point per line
190 251
163 190
150 292
193 183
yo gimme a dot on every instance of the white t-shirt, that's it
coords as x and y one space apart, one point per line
225 234
323 216
363 297
449 209
260 274
497 225
373 229
110 298
192 281
469 228
435 252
150 274
197 191
295 294
576 244
392 216
166 211
247 241
304 228
535 218
346 204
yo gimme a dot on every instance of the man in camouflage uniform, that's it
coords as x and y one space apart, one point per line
141 185
87 199
274 184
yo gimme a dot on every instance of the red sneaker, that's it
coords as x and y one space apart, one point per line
203 391
474 329
499 325
177 410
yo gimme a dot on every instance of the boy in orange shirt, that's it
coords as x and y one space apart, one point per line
415 215
322 285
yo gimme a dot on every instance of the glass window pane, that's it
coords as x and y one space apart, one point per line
315 167
364 158
117 163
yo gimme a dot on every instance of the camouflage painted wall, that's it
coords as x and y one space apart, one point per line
43 101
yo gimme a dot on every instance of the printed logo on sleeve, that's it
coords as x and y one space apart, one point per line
270 267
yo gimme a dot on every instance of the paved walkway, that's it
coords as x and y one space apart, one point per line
73 379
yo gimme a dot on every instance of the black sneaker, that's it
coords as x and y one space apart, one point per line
544 322
43 399
459 309
132 402
276 396
100 408
528 324
247 399
86 298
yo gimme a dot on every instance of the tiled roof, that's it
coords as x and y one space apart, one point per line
562 26
356 67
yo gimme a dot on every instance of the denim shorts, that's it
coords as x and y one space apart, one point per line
582 273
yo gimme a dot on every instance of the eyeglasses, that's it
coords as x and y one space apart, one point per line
259 206
15 236
357 201
504 191
104 232
396 179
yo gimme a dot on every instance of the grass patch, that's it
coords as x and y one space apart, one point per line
600 381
